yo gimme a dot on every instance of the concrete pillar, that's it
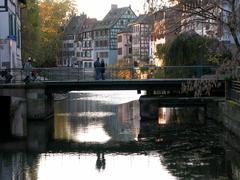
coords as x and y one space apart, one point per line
39 104
149 108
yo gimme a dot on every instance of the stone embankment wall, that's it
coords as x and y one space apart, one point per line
226 112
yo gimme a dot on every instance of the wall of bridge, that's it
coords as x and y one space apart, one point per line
17 112
39 104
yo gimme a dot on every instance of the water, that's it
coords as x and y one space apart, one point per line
100 135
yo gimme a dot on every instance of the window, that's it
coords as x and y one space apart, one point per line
97 44
90 65
130 50
18 38
120 38
121 22
119 51
10 24
102 54
130 38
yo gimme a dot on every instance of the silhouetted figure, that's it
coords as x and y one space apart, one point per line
100 163
97 69
28 70
102 70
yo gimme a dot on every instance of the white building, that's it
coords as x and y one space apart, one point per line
141 39
10 33
226 34
211 27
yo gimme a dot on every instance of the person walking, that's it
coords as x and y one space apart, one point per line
97 69
28 70
102 70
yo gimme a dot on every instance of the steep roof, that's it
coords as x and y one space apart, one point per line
74 25
143 19
89 24
112 17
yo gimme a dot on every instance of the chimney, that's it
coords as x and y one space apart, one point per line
114 6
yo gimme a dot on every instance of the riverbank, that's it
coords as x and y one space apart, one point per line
228 113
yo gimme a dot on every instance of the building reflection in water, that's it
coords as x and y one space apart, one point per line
181 152
163 118
179 115
98 117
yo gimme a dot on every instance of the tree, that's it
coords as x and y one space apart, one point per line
192 49
222 13
30 30
53 16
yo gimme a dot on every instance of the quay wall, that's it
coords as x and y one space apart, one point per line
226 112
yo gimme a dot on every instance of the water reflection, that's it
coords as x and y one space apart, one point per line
98 117
100 163
163 116
92 166
101 136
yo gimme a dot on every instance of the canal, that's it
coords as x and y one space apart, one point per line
100 135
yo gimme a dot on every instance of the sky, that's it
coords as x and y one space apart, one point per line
99 8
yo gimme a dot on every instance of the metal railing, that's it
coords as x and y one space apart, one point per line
111 73
233 90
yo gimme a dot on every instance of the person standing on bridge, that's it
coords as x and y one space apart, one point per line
28 70
102 70
97 67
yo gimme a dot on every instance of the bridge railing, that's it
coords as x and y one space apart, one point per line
233 90
111 73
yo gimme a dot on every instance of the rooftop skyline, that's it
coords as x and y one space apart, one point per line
99 8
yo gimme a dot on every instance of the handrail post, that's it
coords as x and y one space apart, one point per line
83 71
78 74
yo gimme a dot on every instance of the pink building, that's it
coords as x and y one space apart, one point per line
125 45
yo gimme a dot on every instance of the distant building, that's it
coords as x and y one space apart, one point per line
141 38
166 27
205 26
85 39
197 23
225 34
105 33
71 45
86 43
125 45
10 34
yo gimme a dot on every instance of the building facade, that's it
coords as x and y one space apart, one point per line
86 43
105 33
71 45
85 39
141 39
10 34
166 27
125 46
226 35
204 25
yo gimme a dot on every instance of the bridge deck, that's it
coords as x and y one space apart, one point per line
65 86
